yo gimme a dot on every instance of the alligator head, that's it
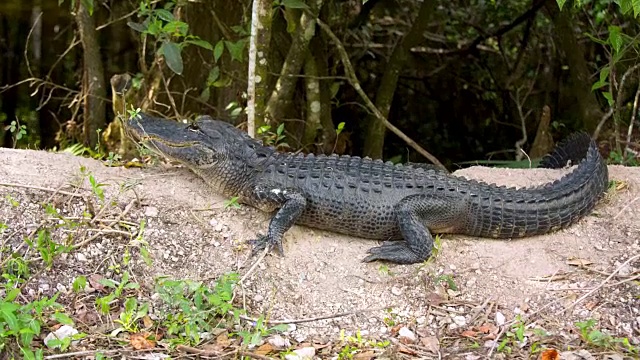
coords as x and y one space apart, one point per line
210 148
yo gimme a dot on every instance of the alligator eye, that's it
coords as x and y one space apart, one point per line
193 127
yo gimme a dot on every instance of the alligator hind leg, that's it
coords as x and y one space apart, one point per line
291 205
415 214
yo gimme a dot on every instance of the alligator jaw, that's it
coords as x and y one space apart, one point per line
178 141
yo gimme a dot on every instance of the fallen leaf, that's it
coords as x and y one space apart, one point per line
365 355
146 320
435 299
579 262
469 333
395 329
222 340
590 305
140 341
488 328
264 349
94 281
550 354
431 343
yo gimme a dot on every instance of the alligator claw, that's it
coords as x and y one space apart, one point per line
393 251
264 241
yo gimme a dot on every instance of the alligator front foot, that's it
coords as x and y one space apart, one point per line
264 241
393 251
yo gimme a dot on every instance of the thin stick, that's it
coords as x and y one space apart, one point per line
317 318
255 264
599 286
353 80
41 188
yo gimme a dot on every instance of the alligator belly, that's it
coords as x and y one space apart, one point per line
368 222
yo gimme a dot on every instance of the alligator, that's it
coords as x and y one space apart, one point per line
400 205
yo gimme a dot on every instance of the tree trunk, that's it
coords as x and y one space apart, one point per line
282 96
579 75
374 139
258 64
93 87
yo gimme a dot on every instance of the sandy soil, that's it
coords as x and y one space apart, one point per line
192 235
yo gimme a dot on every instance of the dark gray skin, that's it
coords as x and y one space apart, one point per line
372 199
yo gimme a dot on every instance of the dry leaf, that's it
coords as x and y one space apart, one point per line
431 343
435 299
140 341
590 305
94 281
469 333
395 329
488 328
365 355
223 340
146 320
264 349
550 354
579 262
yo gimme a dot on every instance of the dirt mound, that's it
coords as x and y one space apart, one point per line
192 234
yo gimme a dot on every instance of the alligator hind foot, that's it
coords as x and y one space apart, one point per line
393 251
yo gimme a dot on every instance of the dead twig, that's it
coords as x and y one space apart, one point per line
353 80
41 188
317 318
600 286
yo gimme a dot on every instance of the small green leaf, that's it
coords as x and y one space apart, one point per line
295 4
171 53
615 38
136 26
63 318
214 74
236 49
88 4
625 6
561 3
202 43
165 15
6 312
12 294
217 51
176 28
607 95
204 96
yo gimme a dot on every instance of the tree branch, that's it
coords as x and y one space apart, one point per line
353 80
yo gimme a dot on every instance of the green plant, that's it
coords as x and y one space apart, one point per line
627 159
254 336
18 130
448 279
351 345
171 34
12 201
131 316
233 202
20 324
47 247
104 302
592 336
191 307
273 139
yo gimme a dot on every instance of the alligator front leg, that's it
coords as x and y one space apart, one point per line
416 214
291 205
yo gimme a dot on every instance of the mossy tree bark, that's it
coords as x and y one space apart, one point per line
93 86
282 95
258 64
374 139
